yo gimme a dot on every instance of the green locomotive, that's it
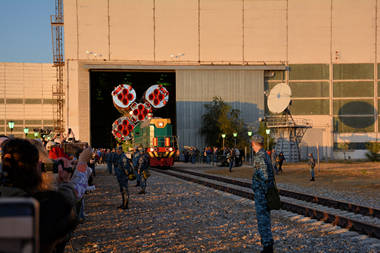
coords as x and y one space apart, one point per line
156 136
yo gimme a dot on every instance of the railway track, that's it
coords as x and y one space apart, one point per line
364 220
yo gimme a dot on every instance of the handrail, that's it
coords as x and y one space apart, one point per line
275 121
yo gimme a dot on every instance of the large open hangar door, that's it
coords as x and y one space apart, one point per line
103 113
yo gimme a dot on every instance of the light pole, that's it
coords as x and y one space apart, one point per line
250 145
223 137
11 125
268 132
26 131
235 135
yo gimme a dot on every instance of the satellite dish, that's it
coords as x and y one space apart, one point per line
279 98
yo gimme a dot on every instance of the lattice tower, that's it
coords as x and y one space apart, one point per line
59 63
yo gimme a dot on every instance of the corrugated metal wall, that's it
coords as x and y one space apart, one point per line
296 31
242 89
26 96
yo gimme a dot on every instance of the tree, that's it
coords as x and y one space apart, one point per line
220 119
373 151
262 132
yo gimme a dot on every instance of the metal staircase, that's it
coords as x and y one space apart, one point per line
289 149
288 133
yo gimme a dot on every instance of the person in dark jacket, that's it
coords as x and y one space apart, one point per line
108 160
262 180
135 159
121 170
56 222
114 158
273 157
142 169
280 160
21 177
231 158
20 169
311 162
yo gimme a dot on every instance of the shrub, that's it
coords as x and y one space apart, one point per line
373 151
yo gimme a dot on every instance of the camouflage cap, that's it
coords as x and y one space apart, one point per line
258 139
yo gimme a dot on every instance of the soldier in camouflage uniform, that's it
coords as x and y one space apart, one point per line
121 169
262 179
135 159
108 159
114 158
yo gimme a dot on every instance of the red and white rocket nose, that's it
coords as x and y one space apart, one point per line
122 128
157 96
123 96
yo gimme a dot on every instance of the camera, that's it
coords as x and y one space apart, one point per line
19 225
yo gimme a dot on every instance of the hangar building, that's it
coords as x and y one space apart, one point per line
326 50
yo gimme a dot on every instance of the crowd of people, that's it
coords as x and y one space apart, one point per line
24 172
277 160
229 157
126 167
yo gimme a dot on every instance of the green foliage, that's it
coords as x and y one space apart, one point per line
263 133
220 119
343 146
373 151
373 147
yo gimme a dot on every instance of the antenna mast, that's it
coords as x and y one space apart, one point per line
59 63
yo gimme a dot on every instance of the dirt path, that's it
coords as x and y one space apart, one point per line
358 177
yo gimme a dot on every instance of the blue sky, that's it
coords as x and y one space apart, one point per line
25 34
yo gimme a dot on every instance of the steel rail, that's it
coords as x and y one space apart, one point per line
338 220
357 209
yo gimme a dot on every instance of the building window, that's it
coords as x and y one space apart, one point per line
353 71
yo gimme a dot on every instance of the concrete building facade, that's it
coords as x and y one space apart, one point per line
26 96
326 50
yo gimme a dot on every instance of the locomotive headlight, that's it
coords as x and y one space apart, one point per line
151 149
160 124
170 149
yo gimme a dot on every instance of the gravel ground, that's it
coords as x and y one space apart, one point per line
177 216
